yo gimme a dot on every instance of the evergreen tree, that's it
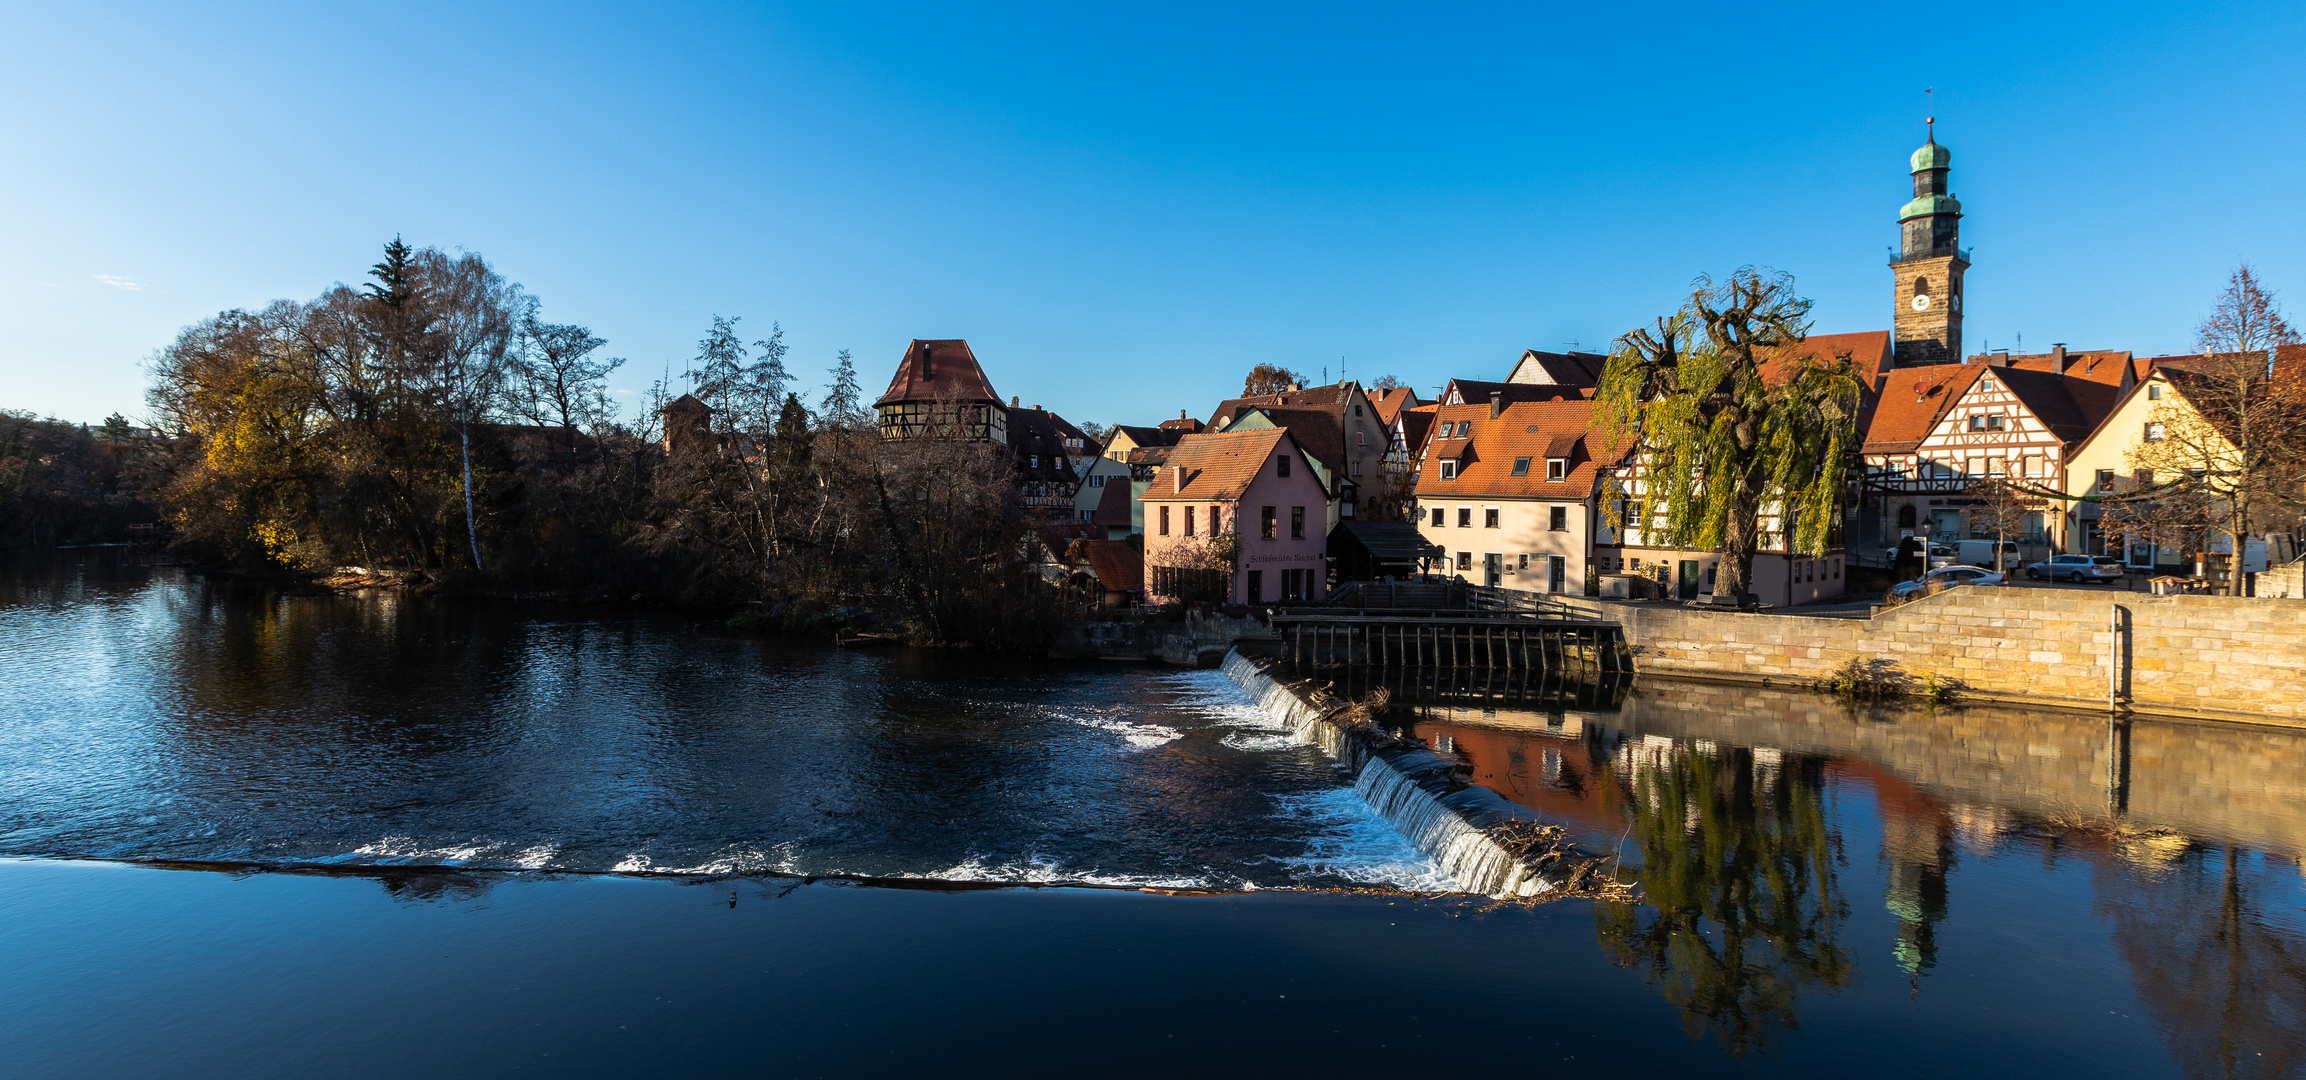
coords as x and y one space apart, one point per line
844 402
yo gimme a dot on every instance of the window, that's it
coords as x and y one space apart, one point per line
1986 382
1164 521
1921 286
1524 562
1557 519
2153 392
1357 410
1465 560
1997 466
1033 461
1993 421
1284 469
1977 421
1096 480
1465 429
1489 517
1297 523
1464 517
1906 516
1521 466
1213 530
1440 517
1633 518
1265 523
1359 438
1449 470
1446 427
2145 478
1088 515
1188 521
1356 468
2105 479
2155 431
1556 468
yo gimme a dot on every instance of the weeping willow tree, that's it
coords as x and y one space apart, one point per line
1728 419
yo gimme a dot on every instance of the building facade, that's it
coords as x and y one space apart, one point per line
1236 518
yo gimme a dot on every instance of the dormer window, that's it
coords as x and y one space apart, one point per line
1521 466
1449 470
1556 468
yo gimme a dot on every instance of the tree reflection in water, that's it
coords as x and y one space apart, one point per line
2222 969
1742 914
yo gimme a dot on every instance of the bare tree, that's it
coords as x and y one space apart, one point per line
557 383
2231 437
1999 509
475 317
1270 379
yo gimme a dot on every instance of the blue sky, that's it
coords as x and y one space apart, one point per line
1123 209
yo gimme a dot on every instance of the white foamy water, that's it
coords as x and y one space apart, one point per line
1356 843
1133 736
1038 869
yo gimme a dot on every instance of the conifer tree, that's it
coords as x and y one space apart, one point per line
844 403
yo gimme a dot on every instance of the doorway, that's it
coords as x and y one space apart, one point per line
1556 573
1689 579
1493 569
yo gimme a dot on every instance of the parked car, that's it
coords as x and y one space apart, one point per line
1981 552
1946 577
2078 569
1940 554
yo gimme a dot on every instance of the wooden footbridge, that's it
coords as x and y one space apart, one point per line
1495 630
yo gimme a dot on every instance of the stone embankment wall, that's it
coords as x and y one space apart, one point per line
1199 641
2227 657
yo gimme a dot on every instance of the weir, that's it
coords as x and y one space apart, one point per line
1454 641
1417 790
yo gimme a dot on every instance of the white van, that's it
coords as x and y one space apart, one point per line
1981 553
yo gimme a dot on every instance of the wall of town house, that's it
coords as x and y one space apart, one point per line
1523 537
1933 477
1272 559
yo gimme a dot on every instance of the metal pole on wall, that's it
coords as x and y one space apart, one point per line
2113 656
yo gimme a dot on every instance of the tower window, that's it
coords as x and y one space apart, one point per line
1921 286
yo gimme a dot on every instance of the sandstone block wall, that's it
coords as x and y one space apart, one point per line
2182 655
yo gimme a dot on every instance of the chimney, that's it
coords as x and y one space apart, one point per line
1036 408
1496 404
2058 354
1012 401
924 359
1177 477
1180 414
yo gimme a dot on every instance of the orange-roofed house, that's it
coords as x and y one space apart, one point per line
1511 493
940 383
1236 518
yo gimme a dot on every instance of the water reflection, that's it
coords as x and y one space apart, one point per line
1734 807
1743 912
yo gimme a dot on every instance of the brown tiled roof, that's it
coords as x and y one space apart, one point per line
687 403
1476 392
1215 466
1911 402
2070 406
1574 369
1316 430
1147 436
1150 455
1113 505
1416 424
1390 404
1531 429
1039 433
939 370
1183 425
1118 567
1868 350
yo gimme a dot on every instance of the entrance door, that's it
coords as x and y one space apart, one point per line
1556 573
1257 586
1493 569
1689 576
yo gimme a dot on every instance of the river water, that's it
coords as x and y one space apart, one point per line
1824 889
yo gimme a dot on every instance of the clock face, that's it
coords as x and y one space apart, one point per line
1922 303
1956 302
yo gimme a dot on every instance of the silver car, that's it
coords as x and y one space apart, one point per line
1946 578
2077 569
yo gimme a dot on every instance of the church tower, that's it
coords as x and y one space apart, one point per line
1927 288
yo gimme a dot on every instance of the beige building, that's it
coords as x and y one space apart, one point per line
1509 493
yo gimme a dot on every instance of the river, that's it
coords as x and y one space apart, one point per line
242 831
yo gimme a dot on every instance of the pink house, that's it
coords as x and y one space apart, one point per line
1238 518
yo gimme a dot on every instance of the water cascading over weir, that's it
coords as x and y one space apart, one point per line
1415 789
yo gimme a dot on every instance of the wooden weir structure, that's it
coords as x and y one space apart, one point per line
1468 640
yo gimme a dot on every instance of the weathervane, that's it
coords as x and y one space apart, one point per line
1930 103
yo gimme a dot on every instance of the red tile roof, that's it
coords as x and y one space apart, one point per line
1118 566
939 370
1911 403
1113 505
1533 430
1217 466
1390 403
1476 392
